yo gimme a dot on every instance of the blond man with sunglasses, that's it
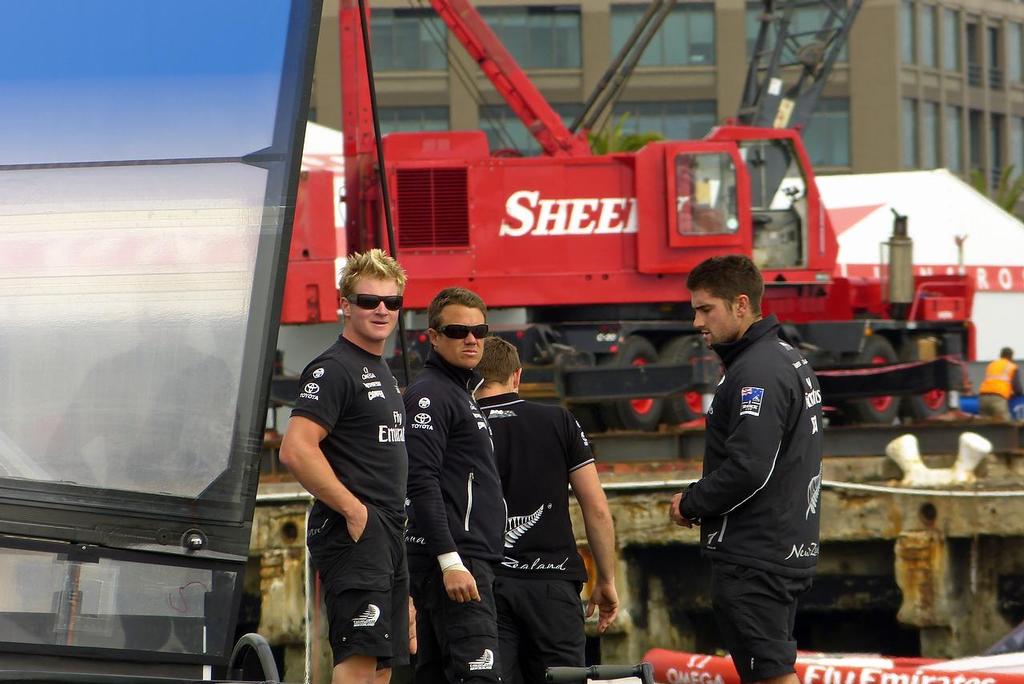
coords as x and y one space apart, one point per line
456 514
345 444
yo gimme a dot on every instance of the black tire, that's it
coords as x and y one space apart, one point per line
684 407
920 406
589 417
633 414
876 410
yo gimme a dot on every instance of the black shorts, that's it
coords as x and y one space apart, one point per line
755 611
540 625
365 584
458 642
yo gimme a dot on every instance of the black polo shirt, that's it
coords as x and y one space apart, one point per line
537 446
352 394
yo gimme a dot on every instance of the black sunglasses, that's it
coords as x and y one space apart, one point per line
371 302
461 332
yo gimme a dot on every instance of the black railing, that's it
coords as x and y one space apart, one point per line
995 174
974 75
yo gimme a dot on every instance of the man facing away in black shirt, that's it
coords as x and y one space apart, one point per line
345 444
541 450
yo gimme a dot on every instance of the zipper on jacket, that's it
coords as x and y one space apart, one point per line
469 498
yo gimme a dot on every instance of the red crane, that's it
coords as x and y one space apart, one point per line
590 252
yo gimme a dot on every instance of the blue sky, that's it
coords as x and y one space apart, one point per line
104 80
44 39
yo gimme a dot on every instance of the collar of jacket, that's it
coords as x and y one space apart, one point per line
463 377
498 399
730 350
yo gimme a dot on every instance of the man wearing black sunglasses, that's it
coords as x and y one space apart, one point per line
346 444
456 513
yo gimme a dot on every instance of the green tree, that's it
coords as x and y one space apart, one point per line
611 138
1007 191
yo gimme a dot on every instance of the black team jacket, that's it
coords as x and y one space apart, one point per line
758 500
455 499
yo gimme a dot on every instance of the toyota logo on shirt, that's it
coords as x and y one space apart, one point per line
312 388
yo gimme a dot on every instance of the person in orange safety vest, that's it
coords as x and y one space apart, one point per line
1002 381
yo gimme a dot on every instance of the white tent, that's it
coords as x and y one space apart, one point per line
323 148
940 208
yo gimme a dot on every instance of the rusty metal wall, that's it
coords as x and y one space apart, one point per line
934 575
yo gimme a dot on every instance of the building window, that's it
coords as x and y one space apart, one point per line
413 119
408 40
995 64
538 37
974 137
909 133
929 36
908 32
954 139
674 120
828 136
930 135
950 40
754 12
995 147
1017 144
973 54
1014 38
686 38
506 132
803 20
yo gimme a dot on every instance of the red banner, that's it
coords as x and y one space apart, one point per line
986 278
675 667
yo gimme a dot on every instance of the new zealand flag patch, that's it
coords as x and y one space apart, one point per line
750 401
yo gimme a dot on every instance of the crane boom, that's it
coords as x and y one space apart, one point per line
780 46
766 102
511 82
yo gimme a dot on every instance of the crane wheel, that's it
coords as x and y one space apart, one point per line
880 410
633 414
686 406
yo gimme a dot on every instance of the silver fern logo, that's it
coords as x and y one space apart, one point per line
813 494
368 618
518 525
484 662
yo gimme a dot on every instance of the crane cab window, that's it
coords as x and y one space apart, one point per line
778 195
705 194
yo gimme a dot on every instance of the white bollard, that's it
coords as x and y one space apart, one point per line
973 449
904 450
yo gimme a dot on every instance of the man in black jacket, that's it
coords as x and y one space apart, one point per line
456 510
758 499
541 451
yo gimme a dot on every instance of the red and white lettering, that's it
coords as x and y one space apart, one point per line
982 276
519 206
1004 278
814 674
527 214
990 277
581 218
